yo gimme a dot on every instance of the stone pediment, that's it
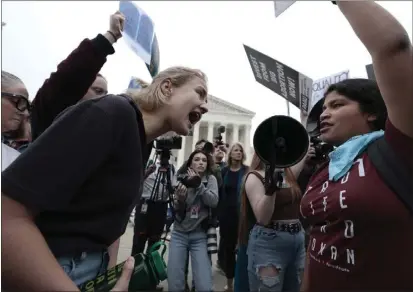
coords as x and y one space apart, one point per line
217 105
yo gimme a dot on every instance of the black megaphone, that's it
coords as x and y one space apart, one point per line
322 149
281 141
313 120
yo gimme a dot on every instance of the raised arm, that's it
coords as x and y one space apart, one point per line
391 50
73 77
261 204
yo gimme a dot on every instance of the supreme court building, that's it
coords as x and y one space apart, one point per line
237 122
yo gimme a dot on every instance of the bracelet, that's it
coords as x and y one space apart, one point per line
113 35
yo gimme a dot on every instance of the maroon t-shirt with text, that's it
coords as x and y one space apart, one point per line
362 233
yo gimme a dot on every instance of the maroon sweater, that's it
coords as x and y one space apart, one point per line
69 83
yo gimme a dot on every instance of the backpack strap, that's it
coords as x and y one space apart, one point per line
392 170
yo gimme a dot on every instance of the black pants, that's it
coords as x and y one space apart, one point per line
148 226
221 250
228 243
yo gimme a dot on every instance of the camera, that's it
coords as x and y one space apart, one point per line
174 142
189 181
208 148
321 149
218 139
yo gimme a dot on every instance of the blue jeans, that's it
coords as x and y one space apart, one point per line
196 243
281 250
85 266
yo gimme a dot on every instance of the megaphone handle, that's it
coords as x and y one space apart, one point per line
268 180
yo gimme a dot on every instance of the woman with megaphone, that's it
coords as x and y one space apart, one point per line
270 215
270 198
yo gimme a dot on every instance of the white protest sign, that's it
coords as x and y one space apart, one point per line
281 6
319 88
138 31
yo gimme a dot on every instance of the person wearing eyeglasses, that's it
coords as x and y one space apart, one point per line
15 109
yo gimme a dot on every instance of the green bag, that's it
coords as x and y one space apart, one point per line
149 271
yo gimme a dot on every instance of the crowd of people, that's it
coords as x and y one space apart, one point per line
69 184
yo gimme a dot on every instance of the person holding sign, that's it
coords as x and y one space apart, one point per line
362 224
62 199
76 78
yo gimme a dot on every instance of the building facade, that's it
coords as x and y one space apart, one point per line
235 119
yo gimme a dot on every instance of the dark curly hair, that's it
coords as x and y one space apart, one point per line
367 94
210 161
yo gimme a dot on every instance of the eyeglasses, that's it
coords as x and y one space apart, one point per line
19 101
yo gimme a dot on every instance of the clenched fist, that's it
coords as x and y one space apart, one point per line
116 24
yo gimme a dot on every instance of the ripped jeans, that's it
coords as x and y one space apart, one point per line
282 252
85 266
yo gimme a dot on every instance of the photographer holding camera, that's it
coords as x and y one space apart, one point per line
191 223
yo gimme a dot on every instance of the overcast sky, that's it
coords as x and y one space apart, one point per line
311 37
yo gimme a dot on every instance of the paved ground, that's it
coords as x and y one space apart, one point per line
125 250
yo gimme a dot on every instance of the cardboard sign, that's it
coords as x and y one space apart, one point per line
321 85
138 31
281 6
319 88
283 80
370 72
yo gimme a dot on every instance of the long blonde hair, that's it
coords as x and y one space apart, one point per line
150 97
258 165
244 155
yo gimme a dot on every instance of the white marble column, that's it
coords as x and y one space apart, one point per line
235 133
181 153
210 132
195 136
247 140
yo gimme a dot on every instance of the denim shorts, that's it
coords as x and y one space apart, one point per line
84 266
281 250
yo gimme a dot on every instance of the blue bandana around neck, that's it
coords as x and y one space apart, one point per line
341 159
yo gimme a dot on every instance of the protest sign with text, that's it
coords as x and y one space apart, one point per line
321 85
281 6
283 80
319 88
138 30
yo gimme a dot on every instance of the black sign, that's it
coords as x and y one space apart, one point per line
280 78
370 72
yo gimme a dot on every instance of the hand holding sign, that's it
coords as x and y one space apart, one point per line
139 34
116 24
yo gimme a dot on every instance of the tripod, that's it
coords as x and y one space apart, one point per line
163 177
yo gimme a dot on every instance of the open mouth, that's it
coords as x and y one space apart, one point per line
325 126
194 117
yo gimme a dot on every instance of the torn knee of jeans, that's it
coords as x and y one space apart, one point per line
268 274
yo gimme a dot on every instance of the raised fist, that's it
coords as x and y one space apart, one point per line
116 23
